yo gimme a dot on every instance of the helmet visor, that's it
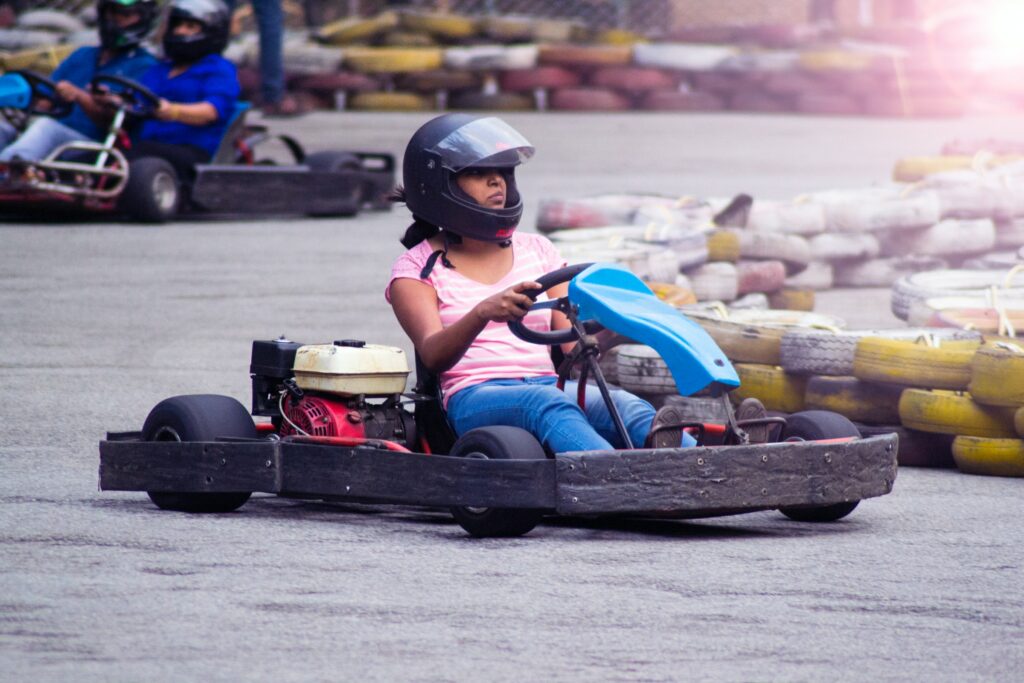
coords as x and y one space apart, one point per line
201 10
483 142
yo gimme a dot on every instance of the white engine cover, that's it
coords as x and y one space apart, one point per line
345 370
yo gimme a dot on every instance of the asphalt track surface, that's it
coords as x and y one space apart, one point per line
100 320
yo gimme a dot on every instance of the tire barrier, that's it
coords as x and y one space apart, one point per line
776 389
641 370
946 283
916 449
991 457
376 60
801 218
832 352
755 336
585 55
857 400
792 250
817 276
390 101
945 238
915 363
500 101
724 245
632 79
541 77
844 246
588 99
759 276
949 412
883 272
792 299
997 375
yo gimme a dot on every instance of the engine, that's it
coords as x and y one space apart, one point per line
346 389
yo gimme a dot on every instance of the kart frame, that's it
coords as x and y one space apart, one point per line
686 482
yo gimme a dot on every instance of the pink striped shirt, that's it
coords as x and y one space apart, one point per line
496 353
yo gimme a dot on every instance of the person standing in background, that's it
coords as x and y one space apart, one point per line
275 101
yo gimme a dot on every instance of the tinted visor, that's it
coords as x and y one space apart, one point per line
484 142
201 10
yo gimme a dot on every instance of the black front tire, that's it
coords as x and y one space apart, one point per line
200 417
815 425
497 443
153 191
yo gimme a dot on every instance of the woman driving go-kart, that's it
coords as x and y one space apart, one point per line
468 272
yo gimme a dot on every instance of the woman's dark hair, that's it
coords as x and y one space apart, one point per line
420 229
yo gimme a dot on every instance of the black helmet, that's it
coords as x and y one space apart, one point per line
448 144
114 37
212 39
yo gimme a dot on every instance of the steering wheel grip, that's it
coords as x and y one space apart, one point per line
143 100
551 337
44 88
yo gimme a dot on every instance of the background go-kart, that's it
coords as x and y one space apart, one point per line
100 320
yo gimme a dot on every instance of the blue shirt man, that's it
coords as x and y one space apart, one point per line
123 25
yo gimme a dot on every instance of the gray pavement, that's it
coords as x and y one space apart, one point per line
99 321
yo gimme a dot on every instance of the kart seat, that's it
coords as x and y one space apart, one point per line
621 302
226 150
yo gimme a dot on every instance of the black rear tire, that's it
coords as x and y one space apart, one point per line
497 443
331 161
153 191
199 417
815 425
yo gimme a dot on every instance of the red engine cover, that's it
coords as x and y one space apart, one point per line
318 416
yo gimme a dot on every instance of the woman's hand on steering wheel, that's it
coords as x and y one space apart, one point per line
509 305
544 283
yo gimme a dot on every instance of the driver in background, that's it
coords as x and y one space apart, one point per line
123 25
463 279
197 88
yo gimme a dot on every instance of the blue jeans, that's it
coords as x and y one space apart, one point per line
40 138
536 405
269 23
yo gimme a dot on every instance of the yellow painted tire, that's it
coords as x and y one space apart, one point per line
507 29
993 457
859 401
1018 422
997 375
618 36
347 31
390 101
792 299
836 60
912 169
756 336
745 343
41 59
950 412
724 245
673 294
912 364
452 26
770 383
393 59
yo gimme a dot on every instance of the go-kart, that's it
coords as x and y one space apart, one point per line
96 176
335 424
